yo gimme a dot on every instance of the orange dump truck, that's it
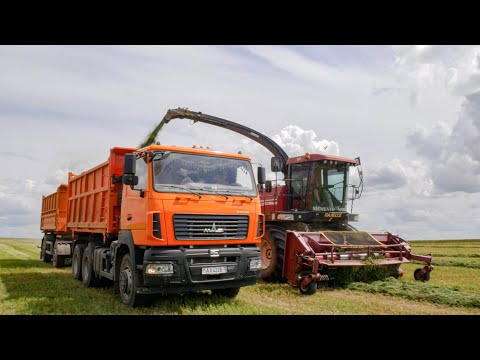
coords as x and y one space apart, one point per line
159 219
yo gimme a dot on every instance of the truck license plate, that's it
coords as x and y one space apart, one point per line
214 270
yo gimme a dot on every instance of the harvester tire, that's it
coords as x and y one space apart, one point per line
426 277
88 275
43 255
272 251
128 280
58 261
417 277
309 290
229 293
77 261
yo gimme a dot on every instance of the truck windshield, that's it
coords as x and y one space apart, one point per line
328 188
204 174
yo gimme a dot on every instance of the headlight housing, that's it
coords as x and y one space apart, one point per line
159 269
285 217
255 264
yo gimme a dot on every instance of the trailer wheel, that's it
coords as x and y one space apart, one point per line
77 261
272 249
88 276
309 290
128 280
58 261
417 277
229 293
43 255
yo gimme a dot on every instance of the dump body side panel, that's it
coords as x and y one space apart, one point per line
93 198
54 211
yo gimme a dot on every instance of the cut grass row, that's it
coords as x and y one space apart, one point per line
420 291
466 264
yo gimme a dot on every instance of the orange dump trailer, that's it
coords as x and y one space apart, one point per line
159 219
54 211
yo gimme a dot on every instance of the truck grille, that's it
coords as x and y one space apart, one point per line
210 227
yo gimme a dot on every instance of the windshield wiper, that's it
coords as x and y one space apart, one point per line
183 188
239 194
216 192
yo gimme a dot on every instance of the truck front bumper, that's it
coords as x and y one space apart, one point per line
233 262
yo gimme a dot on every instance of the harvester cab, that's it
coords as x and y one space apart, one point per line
307 230
315 188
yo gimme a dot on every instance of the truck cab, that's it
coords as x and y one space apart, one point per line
192 218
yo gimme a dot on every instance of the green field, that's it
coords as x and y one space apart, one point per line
29 286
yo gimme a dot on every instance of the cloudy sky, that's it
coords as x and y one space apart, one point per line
411 112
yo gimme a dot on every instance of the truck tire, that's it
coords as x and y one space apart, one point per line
272 250
128 280
43 255
88 276
77 261
229 293
58 261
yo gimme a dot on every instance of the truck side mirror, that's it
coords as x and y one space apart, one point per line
129 169
268 186
261 175
276 164
130 164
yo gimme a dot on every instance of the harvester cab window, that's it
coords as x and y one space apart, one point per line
328 188
141 172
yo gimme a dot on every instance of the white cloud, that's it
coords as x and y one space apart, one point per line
297 141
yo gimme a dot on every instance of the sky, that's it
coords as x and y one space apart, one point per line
412 113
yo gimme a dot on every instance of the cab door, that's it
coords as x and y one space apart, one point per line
134 203
298 186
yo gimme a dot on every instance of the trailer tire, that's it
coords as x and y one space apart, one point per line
128 281
77 261
58 261
272 250
228 293
88 275
309 290
46 258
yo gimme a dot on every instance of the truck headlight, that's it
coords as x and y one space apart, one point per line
159 269
255 264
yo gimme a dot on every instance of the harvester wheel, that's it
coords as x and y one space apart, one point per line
272 250
229 293
309 290
417 277
129 278
77 261
426 277
58 261
43 255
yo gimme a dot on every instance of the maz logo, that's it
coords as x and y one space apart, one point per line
213 230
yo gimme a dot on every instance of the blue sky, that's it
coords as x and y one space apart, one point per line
410 112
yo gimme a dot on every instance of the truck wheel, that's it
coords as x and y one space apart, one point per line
77 261
58 261
309 290
272 250
43 255
128 280
229 293
88 276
